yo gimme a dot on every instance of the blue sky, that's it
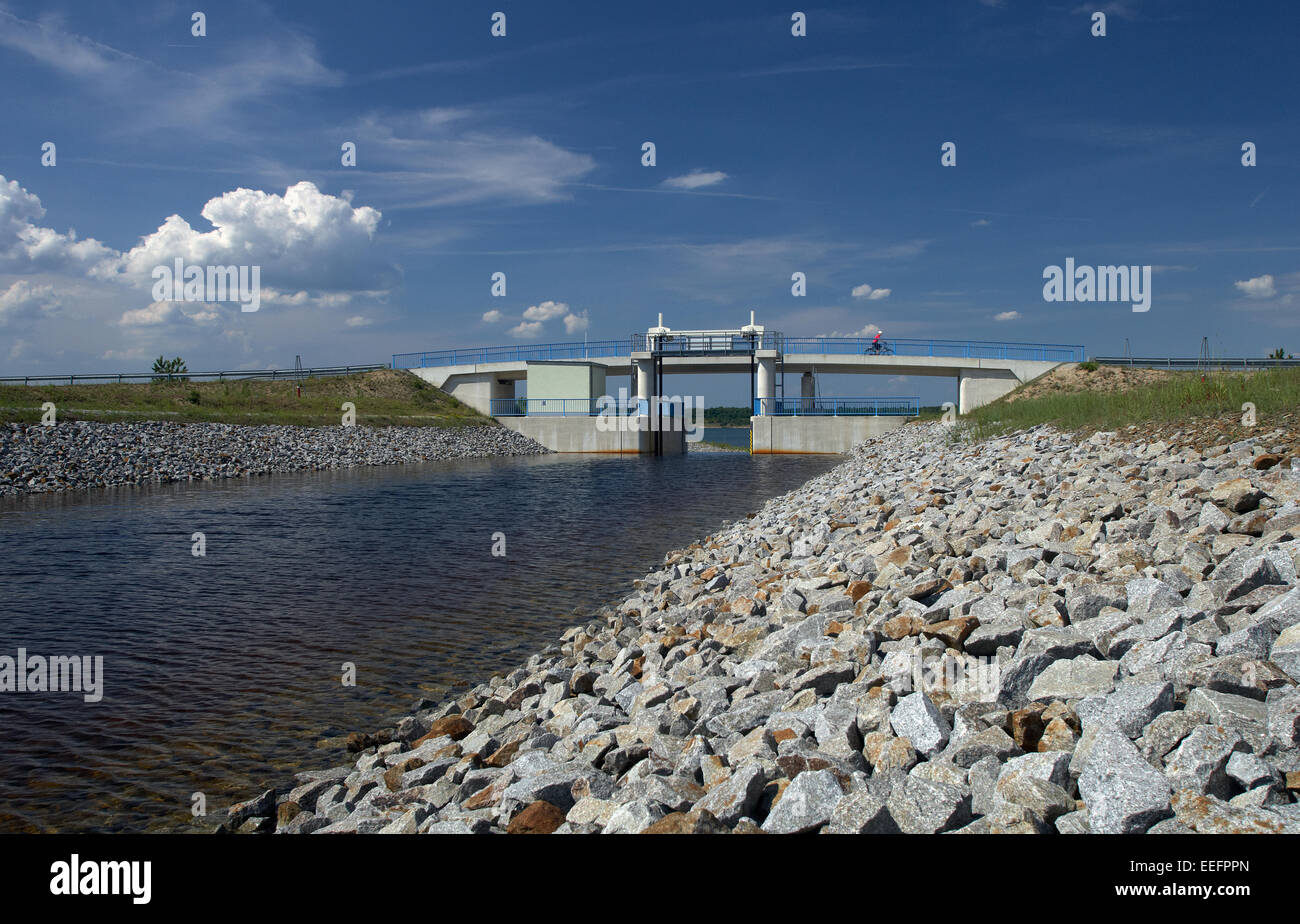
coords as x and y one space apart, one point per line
522 154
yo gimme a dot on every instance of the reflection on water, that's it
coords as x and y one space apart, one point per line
222 673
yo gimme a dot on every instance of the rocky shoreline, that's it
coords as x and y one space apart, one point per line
1036 633
75 455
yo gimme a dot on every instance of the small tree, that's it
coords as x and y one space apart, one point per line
1280 353
169 370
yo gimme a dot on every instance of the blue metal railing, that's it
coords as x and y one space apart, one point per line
951 349
837 407
506 354
684 345
703 343
544 407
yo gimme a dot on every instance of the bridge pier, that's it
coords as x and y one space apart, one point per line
807 390
977 387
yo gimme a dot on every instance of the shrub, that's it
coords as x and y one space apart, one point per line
1089 366
169 370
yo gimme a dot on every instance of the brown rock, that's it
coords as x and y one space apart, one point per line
1293 780
952 632
286 812
928 588
700 821
393 775
504 754
539 818
454 727
1027 727
857 590
1267 460
783 734
902 626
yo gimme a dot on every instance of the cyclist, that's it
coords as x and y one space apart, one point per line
876 346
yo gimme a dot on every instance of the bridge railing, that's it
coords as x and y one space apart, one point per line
703 343
544 407
952 349
278 374
837 407
1222 362
534 351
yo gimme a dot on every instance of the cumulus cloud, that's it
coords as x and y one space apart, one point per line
526 330
576 323
492 317
154 313
26 246
866 291
358 320
545 311
1006 315
302 239
1259 287
696 179
867 330
27 299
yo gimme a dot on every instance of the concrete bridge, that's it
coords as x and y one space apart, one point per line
486 378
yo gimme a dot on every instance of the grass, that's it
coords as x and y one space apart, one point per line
385 397
1181 396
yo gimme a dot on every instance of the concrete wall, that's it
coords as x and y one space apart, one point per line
817 434
582 434
476 389
548 380
977 387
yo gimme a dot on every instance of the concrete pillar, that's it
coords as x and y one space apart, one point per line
977 387
645 384
807 391
765 381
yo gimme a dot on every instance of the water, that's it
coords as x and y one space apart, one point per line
222 672
729 436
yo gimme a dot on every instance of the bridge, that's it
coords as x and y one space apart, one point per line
486 379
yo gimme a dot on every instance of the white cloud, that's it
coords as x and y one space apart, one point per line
154 313
866 291
980 223
303 238
358 320
25 299
1006 315
26 246
546 311
576 323
868 330
444 157
1259 287
696 179
492 317
526 330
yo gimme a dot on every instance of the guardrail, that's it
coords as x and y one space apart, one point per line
72 379
544 407
1158 362
952 349
837 407
506 354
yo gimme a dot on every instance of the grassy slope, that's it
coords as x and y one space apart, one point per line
1274 392
382 398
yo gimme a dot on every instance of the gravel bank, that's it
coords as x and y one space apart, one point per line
74 455
1032 634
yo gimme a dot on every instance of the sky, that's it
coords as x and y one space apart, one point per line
522 154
